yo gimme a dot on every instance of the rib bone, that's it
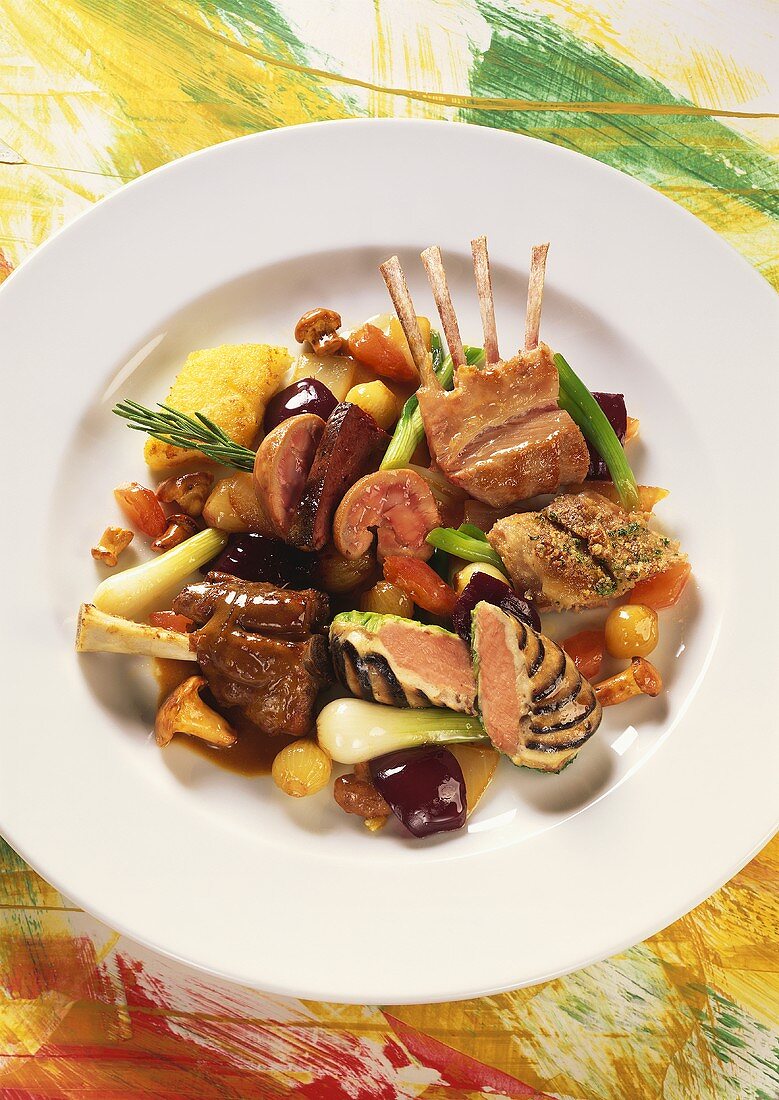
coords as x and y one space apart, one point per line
481 269
393 276
98 632
535 294
434 266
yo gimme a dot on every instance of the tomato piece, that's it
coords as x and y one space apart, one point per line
664 589
370 346
586 651
170 620
419 581
142 508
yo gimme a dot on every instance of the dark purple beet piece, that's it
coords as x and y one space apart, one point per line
255 557
424 787
613 404
308 395
482 587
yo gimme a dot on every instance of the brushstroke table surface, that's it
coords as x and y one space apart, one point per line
93 93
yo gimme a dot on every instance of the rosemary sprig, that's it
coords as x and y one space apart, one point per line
194 433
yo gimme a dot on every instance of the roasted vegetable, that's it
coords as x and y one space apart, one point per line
585 411
484 587
307 395
631 631
421 583
351 730
586 651
664 589
400 662
153 584
424 788
465 546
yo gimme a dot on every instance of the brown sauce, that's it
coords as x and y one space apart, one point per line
254 752
252 755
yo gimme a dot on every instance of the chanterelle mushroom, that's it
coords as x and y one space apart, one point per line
185 712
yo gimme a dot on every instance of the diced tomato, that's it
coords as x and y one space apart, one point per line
586 651
370 346
421 583
664 589
170 620
142 508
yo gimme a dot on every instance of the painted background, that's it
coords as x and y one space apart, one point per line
675 92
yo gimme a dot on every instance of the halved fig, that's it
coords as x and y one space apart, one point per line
396 505
282 465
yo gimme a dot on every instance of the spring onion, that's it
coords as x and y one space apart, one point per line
153 584
464 546
472 531
352 730
410 430
585 411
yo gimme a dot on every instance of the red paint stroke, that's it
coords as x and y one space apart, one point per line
459 1070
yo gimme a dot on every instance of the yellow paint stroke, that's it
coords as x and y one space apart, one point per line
480 103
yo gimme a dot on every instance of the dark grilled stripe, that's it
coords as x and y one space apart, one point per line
576 743
336 653
555 683
565 726
558 704
378 665
539 659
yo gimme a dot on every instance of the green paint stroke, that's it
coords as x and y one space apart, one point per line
532 58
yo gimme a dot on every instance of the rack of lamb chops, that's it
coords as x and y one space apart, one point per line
499 433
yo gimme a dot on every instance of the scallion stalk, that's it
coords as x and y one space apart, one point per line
410 430
587 414
464 546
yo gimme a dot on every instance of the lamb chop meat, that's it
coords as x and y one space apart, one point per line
499 433
580 551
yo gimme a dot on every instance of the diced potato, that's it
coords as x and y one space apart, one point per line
230 384
337 372
379 401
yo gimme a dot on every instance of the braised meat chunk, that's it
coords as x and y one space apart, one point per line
257 606
580 551
274 681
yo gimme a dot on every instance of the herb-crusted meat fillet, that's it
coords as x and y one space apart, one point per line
580 551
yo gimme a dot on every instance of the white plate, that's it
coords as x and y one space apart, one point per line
669 799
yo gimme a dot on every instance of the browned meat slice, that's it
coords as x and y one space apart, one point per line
274 681
534 704
257 606
402 662
281 468
350 442
499 434
580 551
395 505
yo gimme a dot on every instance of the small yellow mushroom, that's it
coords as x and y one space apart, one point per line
112 542
188 491
319 328
185 712
639 678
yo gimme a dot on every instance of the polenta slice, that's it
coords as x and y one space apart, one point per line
230 384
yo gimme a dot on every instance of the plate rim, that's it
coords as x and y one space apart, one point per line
170 166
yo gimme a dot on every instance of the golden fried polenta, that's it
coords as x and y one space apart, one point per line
230 384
